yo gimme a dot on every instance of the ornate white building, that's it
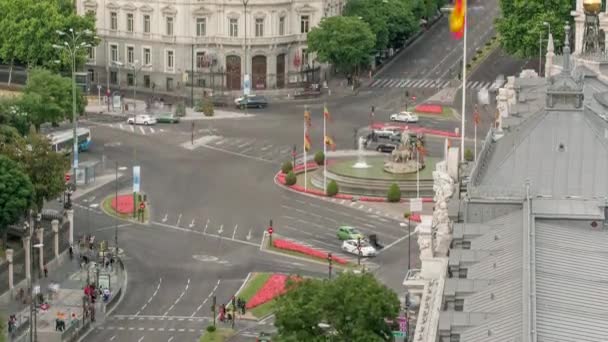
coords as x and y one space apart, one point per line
164 44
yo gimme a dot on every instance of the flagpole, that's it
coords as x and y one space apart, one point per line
417 171
475 138
464 82
324 150
305 159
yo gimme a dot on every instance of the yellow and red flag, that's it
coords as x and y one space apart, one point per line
330 142
307 118
307 141
476 118
326 114
457 18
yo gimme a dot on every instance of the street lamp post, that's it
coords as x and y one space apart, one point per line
246 77
73 43
136 67
540 47
122 168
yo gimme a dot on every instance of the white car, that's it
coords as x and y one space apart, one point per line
141 119
350 246
404 117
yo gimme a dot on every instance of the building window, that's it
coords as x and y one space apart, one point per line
259 27
281 26
147 56
466 245
114 53
113 77
113 21
146 23
129 22
201 61
305 57
234 28
304 23
458 304
201 27
462 273
169 30
130 79
201 82
169 83
170 60
147 81
130 54
91 73
91 53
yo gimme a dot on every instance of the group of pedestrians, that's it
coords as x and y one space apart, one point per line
238 305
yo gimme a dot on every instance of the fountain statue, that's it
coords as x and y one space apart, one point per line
361 163
403 158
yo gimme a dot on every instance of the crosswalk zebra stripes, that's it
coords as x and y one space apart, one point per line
422 83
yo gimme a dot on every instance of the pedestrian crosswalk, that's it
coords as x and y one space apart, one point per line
245 147
135 129
423 83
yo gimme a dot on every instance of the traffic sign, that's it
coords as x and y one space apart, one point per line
67 177
398 334
142 205
415 205
270 230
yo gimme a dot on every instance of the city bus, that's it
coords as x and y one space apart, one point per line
62 141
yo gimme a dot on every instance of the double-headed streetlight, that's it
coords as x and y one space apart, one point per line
136 66
73 43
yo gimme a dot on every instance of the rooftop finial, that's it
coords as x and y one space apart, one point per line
566 49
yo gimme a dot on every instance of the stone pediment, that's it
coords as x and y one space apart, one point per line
146 8
169 10
306 9
129 7
202 11
90 5
564 85
113 6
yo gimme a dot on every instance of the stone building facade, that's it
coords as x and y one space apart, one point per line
170 44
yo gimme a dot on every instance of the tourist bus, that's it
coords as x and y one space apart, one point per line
62 141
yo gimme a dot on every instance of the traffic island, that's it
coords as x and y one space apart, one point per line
260 292
127 207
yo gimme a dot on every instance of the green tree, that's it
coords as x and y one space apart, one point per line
391 21
354 306
16 193
394 193
44 167
345 42
521 24
47 98
12 115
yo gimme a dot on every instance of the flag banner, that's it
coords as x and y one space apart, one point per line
457 19
330 142
326 114
307 118
307 142
476 118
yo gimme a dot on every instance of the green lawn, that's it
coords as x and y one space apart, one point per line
220 335
344 167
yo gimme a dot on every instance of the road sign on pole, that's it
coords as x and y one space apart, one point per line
246 85
415 205
136 178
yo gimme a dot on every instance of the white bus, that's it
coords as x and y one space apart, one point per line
63 140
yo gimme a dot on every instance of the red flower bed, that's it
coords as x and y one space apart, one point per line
427 108
125 204
273 287
294 247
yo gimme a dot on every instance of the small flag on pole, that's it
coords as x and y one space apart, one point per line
476 118
307 142
307 118
457 19
326 114
330 142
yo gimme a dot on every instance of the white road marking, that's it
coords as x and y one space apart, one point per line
141 338
132 129
221 230
165 217
112 338
396 242
266 147
186 230
236 226
206 225
179 298
248 235
179 218
141 129
121 127
152 130
151 297
191 224
170 339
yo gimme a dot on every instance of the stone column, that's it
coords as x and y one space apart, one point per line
55 227
28 261
40 233
71 222
549 56
9 259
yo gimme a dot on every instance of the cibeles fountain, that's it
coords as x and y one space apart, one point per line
406 157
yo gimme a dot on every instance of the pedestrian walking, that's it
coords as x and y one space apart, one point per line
71 251
46 272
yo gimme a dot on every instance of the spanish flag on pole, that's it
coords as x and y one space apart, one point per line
457 18
326 114
307 142
330 142
307 118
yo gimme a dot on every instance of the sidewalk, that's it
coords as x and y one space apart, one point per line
63 291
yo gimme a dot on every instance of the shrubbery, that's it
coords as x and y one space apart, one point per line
320 158
332 188
468 155
394 193
286 167
291 178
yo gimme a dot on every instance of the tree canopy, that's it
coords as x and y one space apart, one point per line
353 306
521 24
16 193
47 98
44 167
346 42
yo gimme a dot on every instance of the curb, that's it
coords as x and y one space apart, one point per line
279 179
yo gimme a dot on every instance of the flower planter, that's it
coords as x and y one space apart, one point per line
294 247
125 204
